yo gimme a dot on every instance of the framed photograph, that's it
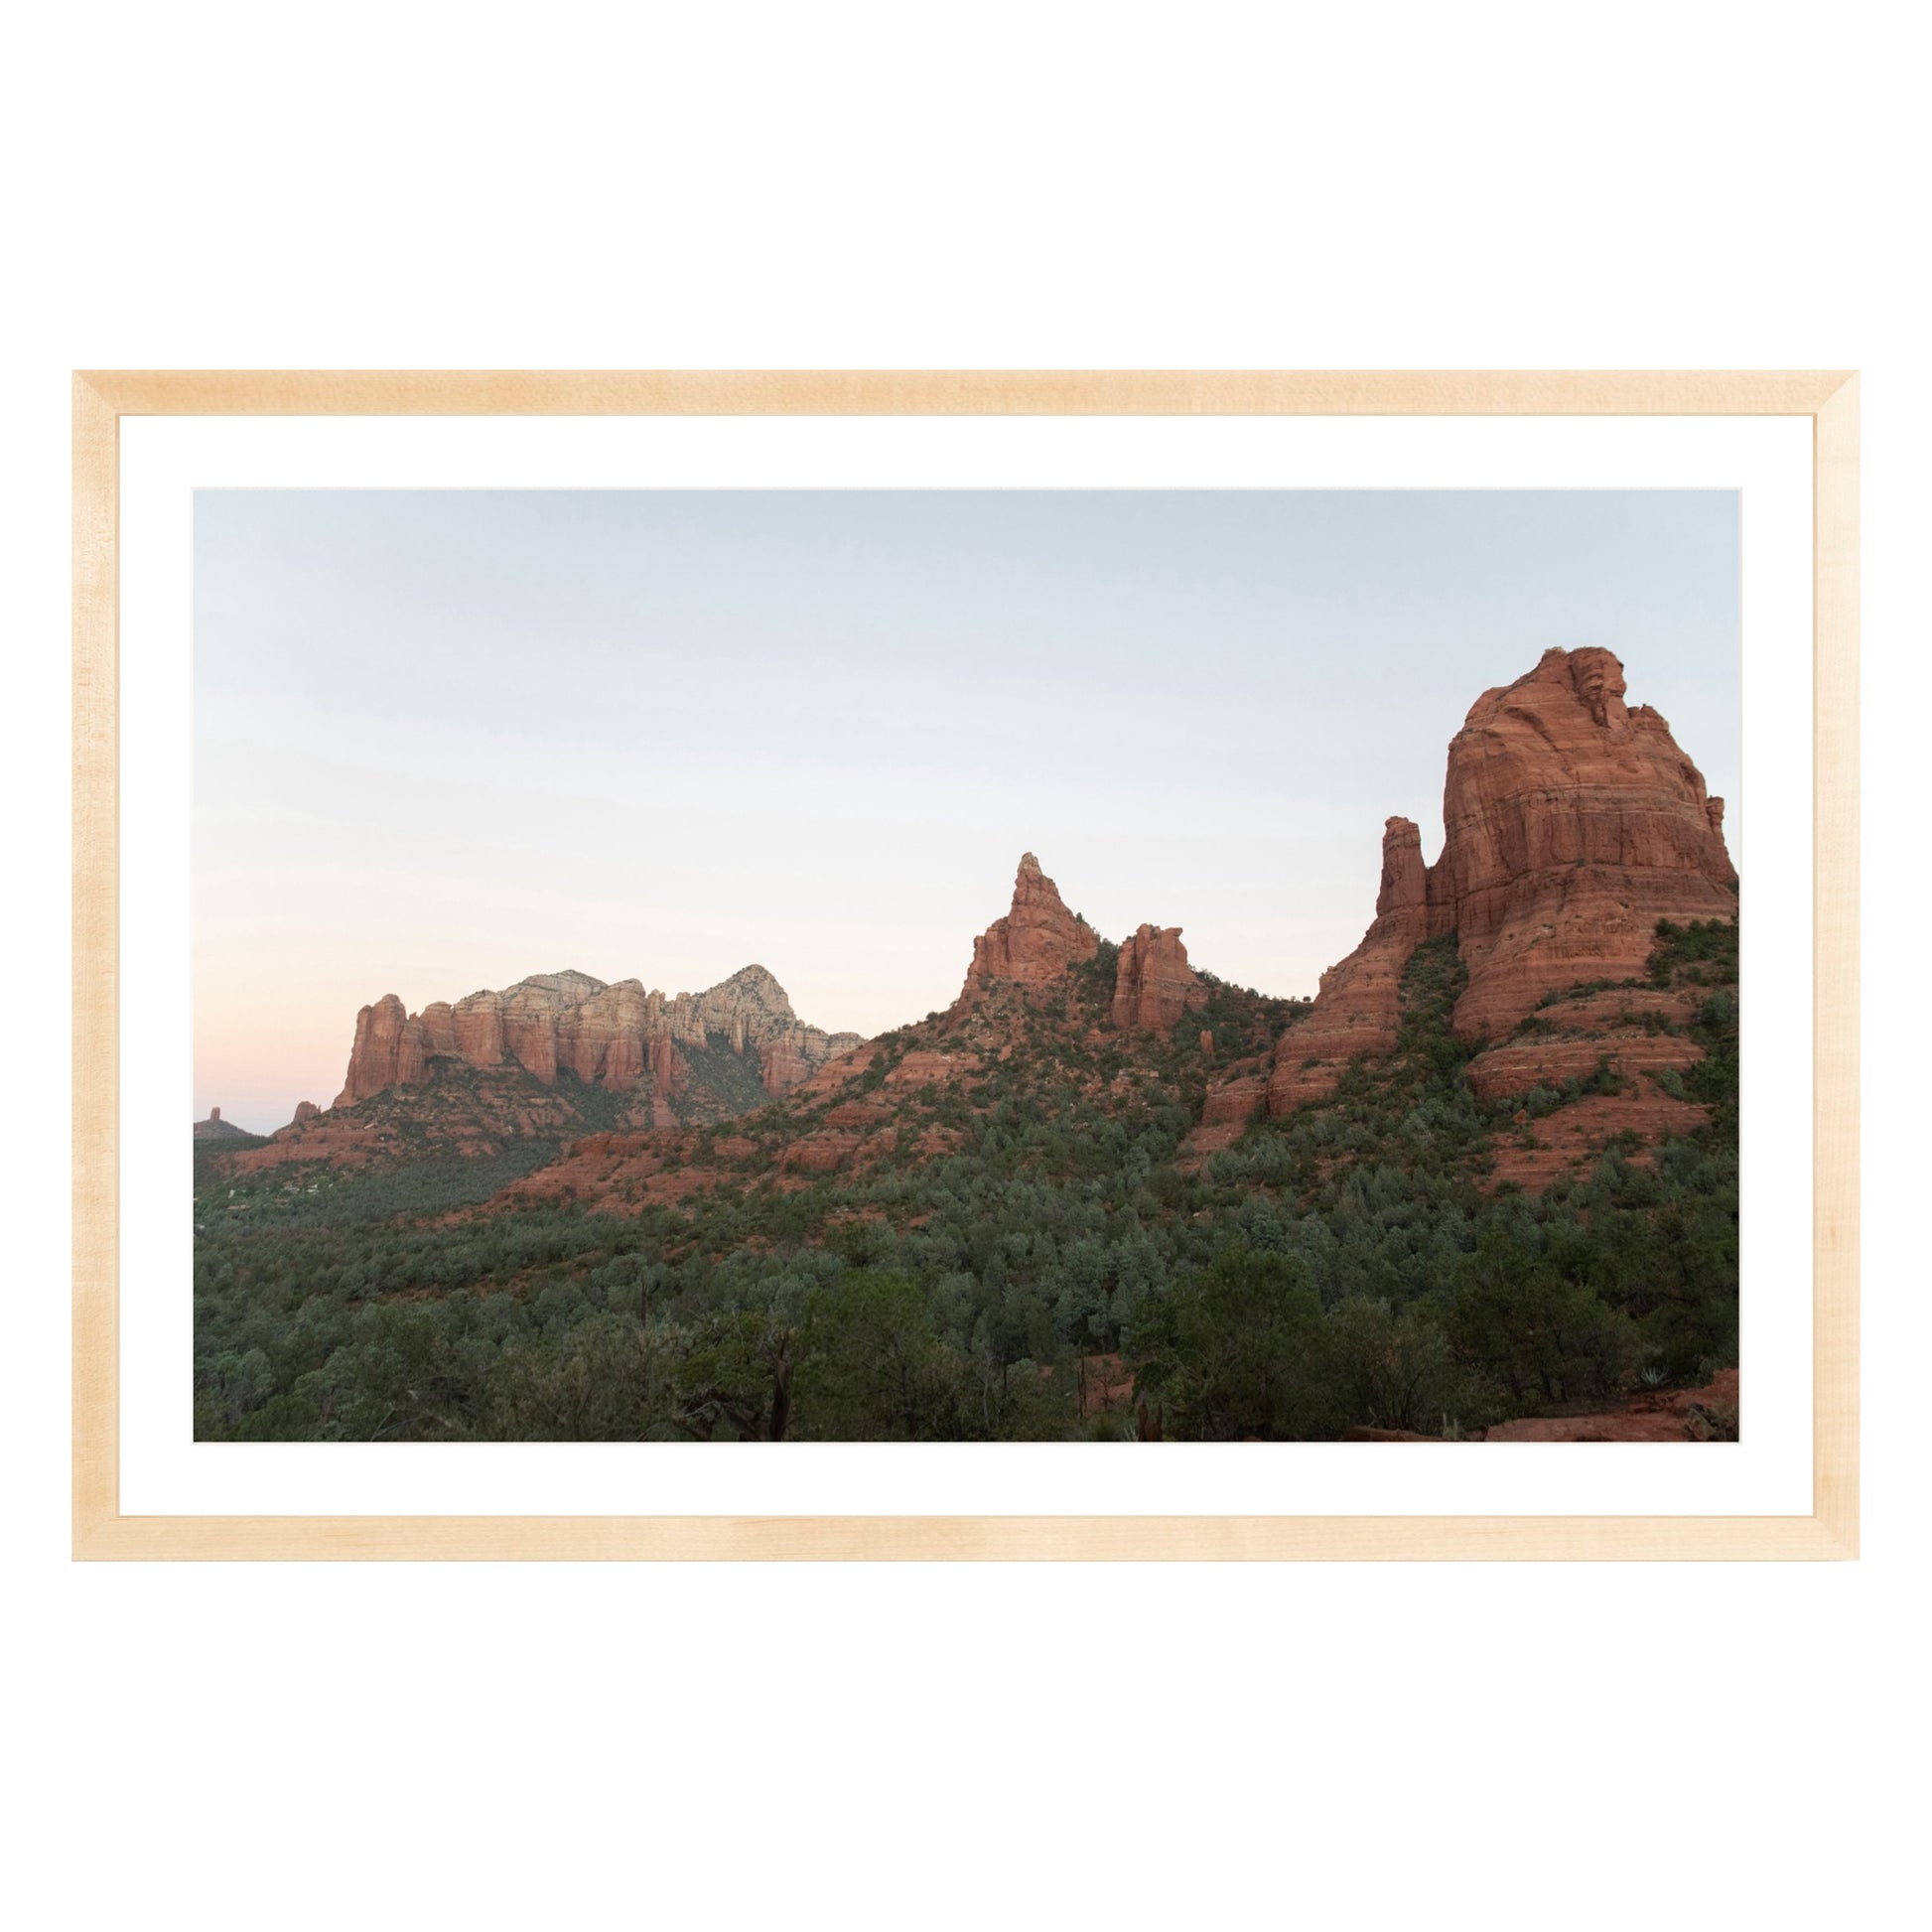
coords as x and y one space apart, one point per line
965 965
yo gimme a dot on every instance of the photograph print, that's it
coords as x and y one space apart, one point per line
911 966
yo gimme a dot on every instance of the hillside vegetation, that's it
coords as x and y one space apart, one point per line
941 1245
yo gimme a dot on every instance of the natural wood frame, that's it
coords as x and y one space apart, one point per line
101 398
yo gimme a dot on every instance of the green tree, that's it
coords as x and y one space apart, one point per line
1518 1320
736 1378
1395 1369
1241 1349
874 1367
608 1379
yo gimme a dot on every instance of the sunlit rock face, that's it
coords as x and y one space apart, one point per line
1571 824
1038 939
619 1038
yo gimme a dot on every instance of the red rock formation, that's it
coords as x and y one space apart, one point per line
1229 1105
1571 824
1358 1010
619 1038
304 1110
1152 983
1640 1033
666 1067
478 1023
439 1030
603 1039
1037 941
390 1051
537 1011
1574 1136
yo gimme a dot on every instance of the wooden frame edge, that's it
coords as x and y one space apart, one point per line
100 1533
1004 392
1834 964
971 1538
96 965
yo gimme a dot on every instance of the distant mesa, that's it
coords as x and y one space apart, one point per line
215 1127
555 1055
618 1038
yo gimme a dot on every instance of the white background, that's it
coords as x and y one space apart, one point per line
1681 185
163 1469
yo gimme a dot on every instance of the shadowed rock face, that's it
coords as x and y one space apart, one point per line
1153 985
1571 824
1036 940
618 1038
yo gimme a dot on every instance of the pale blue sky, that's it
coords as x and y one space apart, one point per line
444 739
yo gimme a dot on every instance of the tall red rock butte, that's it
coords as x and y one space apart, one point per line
614 1037
1571 824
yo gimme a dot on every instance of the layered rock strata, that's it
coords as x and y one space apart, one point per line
1573 822
1571 825
617 1037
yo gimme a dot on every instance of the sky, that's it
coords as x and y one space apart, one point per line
445 740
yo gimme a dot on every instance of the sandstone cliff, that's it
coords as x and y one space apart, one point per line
617 1037
1571 824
